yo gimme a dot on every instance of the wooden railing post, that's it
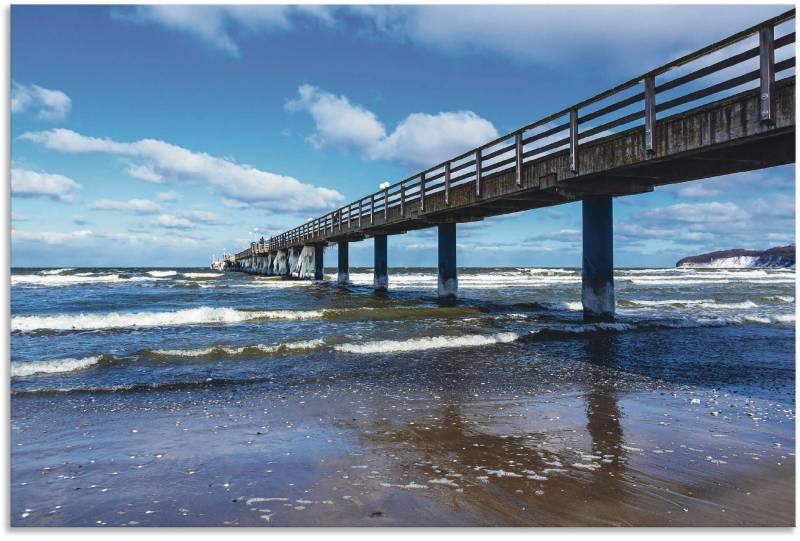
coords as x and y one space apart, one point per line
478 159
766 46
518 154
447 183
649 113
573 140
360 210
386 205
372 209
422 192
402 199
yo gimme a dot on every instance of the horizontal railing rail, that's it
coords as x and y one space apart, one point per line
565 130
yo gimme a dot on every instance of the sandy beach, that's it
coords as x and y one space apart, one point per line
327 452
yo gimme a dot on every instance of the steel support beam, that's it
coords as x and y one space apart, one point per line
381 269
597 275
343 275
448 270
319 262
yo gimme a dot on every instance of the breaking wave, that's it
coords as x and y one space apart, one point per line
55 366
63 279
162 274
118 320
218 350
433 342
55 271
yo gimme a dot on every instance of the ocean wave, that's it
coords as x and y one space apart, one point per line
684 303
217 350
206 383
55 366
162 274
55 271
116 320
567 329
421 344
202 274
63 279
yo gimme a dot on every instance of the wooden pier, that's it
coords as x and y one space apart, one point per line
680 122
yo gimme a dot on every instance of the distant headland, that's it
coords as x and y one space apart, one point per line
777 257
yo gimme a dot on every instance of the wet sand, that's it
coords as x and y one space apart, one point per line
333 452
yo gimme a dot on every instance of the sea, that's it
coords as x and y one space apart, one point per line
99 355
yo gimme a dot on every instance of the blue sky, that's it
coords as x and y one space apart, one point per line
159 136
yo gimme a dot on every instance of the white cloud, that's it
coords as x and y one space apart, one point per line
774 206
420 139
549 35
168 196
27 183
51 237
172 222
134 206
217 25
46 103
425 140
694 191
337 121
710 226
168 163
201 217
553 35
715 212
85 237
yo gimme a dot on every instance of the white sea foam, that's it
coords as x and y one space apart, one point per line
63 279
668 302
189 316
162 274
202 274
235 350
433 342
55 271
54 366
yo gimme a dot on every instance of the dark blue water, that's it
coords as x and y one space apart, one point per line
122 330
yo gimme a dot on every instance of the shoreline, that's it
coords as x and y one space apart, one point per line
342 454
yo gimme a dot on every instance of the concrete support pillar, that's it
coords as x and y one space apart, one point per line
598 259
288 270
381 278
448 270
319 262
344 263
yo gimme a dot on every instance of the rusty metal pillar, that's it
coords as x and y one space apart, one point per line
597 274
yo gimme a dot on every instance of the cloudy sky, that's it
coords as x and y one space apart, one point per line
159 136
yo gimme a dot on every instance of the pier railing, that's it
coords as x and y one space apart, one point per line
753 57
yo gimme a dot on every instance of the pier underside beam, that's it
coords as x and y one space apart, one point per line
319 262
343 275
381 268
597 275
448 271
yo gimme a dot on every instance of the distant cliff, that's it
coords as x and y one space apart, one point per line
778 257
